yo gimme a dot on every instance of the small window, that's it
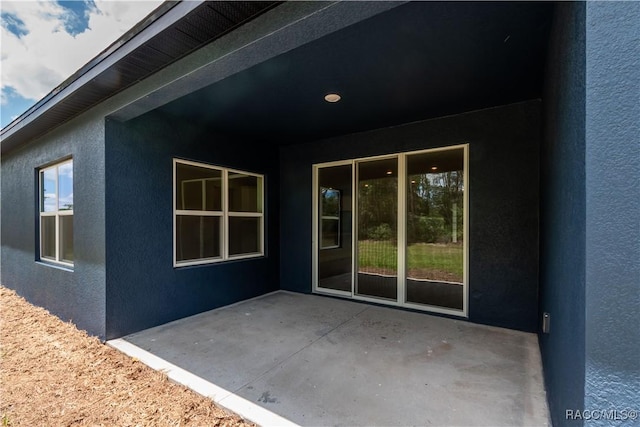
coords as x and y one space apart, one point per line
218 214
329 218
56 213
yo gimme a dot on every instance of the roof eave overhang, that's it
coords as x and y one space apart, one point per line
153 24
33 123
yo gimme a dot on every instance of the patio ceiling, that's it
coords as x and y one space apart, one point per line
416 61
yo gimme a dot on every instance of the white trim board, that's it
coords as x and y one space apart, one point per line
219 395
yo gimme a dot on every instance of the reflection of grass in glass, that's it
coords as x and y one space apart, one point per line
383 255
435 261
377 254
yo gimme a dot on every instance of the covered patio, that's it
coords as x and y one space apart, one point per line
315 360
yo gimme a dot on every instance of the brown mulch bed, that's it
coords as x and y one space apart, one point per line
53 374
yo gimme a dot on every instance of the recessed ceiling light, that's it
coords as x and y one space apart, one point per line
413 181
389 172
434 168
332 97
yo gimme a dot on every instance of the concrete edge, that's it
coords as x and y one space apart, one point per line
219 395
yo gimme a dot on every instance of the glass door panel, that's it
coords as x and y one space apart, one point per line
377 228
435 232
334 228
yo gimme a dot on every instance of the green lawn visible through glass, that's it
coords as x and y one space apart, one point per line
424 260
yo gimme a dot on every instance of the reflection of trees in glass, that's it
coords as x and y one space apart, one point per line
448 200
330 202
329 218
377 209
434 199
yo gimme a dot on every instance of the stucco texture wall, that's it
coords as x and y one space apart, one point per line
504 196
562 218
613 207
143 287
78 294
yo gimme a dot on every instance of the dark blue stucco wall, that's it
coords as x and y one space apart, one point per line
612 140
590 219
562 218
76 294
503 191
143 287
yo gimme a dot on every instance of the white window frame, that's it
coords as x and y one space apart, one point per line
57 214
331 218
224 214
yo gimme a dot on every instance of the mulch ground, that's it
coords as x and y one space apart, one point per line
51 373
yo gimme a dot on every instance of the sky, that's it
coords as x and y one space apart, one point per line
42 43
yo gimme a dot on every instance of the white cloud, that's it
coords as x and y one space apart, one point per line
66 201
50 203
66 170
37 62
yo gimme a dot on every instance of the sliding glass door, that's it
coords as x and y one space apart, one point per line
393 229
333 226
377 225
435 229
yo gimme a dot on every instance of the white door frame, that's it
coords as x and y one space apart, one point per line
402 232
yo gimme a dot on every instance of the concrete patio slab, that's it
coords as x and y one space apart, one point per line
322 361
